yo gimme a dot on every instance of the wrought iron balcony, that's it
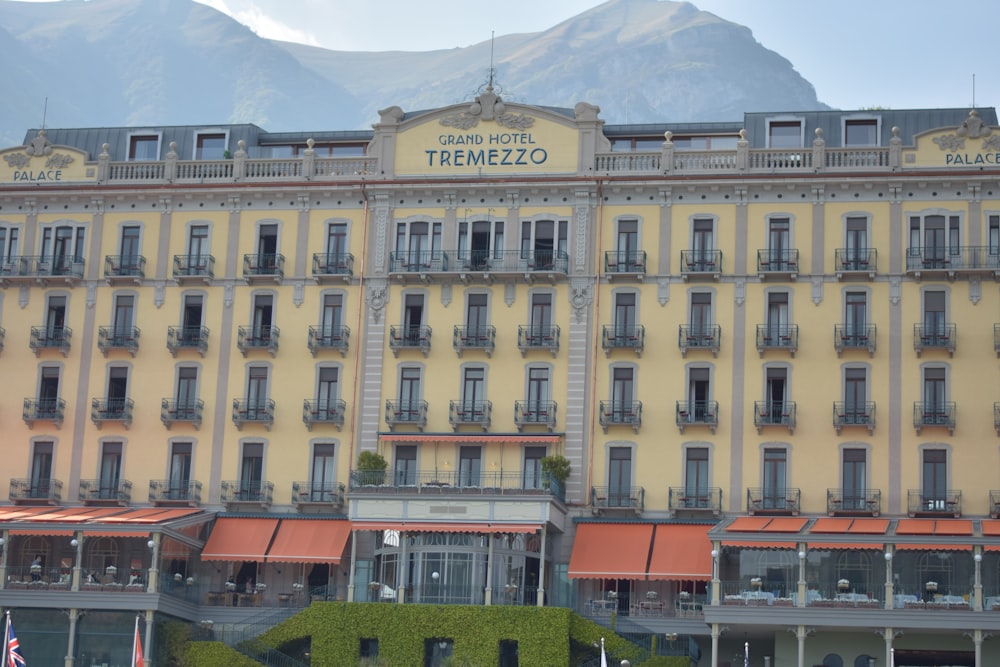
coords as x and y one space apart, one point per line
934 414
258 338
112 410
424 264
36 491
321 493
604 498
852 262
180 492
528 413
410 338
253 411
778 262
101 492
854 337
853 502
475 413
995 504
702 337
187 338
324 411
172 412
619 337
854 414
474 338
333 265
419 261
194 267
695 499
951 260
774 413
40 268
536 337
625 262
697 413
43 409
926 503
263 266
621 413
50 338
118 338
935 337
253 492
329 338
764 500
777 337
124 267
439 482
412 413
701 264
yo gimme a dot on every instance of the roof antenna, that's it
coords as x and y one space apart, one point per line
492 70
973 90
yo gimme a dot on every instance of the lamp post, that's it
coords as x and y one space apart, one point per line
977 586
888 580
435 576
801 601
715 576
154 569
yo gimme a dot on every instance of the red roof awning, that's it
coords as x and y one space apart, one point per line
915 527
846 546
681 553
933 547
869 526
610 551
744 544
25 513
953 527
828 525
748 524
239 539
991 527
309 541
43 530
468 437
76 514
785 525
429 527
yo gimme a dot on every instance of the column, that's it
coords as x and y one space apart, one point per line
715 645
78 563
74 615
541 574
401 569
888 635
4 538
147 642
800 635
977 640
489 573
154 565
354 559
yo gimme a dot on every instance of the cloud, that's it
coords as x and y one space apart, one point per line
255 18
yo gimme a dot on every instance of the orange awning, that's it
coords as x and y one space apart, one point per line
785 525
309 541
748 524
846 546
991 527
743 544
681 553
869 526
239 539
610 551
76 514
933 547
151 515
428 527
42 530
915 527
953 527
25 513
828 525
468 437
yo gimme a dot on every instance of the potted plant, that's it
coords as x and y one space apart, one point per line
371 468
556 467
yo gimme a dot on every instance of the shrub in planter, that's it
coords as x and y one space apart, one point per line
371 468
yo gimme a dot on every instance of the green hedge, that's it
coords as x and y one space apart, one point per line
213 654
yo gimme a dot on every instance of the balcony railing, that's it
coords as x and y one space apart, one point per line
619 262
3 337
697 413
995 504
620 413
174 492
854 414
701 263
474 338
763 500
112 410
935 337
436 482
96 491
538 337
695 499
324 411
777 337
118 338
319 493
528 413
778 262
854 337
254 492
410 338
47 491
934 414
996 417
470 413
258 338
952 259
943 503
847 502
172 412
418 261
340 265
253 411
526 262
19 268
329 338
401 413
774 413
619 337
43 409
603 498
855 261
263 265
699 337
187 338
130 267
50 338
200 267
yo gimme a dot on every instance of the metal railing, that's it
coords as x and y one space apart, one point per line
194 266
173 411
855 260
854 337
482 482
622 337
785 260
699 337
935 337
410 338
43 409
948 502
847 413
41 266
406 412
324 492
620 413
538 337
474 338
96 490
934 414
696 413
48 490
708 498
762 500
609 497
118 338
50 338
164 491
498 261
952 258
625 261
535 412
258 338
124 266
701 262
477 413
329 338
111 410
853 501
253 491
774 413
324 411
336 264
778 337
253 411
263 265
187 338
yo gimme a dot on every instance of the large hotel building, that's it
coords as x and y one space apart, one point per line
760 347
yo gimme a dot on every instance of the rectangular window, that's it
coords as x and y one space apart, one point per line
993 235
110 471
855 316
267 249
406 465
620 477
541 314
130 250
55 318
624 324
328 391
935 394
701 314
854 495
779 242
48 391
777 314
323 484
538 407
702 239
784 134
477 319
263 318
532 469
409 393
191 316
252 472
257 393
180 471
413 318
210 146
117 388
331 323
935 479
861 132
775 465
855 390
934 313
776 380
699 394
9 248
124 315
187 392
473 392
627 244
61 248
336 245
40 474
696 493
198 249
857 242
144 147
469 465
622 395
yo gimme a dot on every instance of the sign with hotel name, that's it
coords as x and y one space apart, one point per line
972 144
41 163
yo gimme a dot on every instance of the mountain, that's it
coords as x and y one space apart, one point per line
150 62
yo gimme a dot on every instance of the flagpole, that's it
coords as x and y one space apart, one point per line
6 637
135 637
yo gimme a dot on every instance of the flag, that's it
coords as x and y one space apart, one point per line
604 656
13 657
137 660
